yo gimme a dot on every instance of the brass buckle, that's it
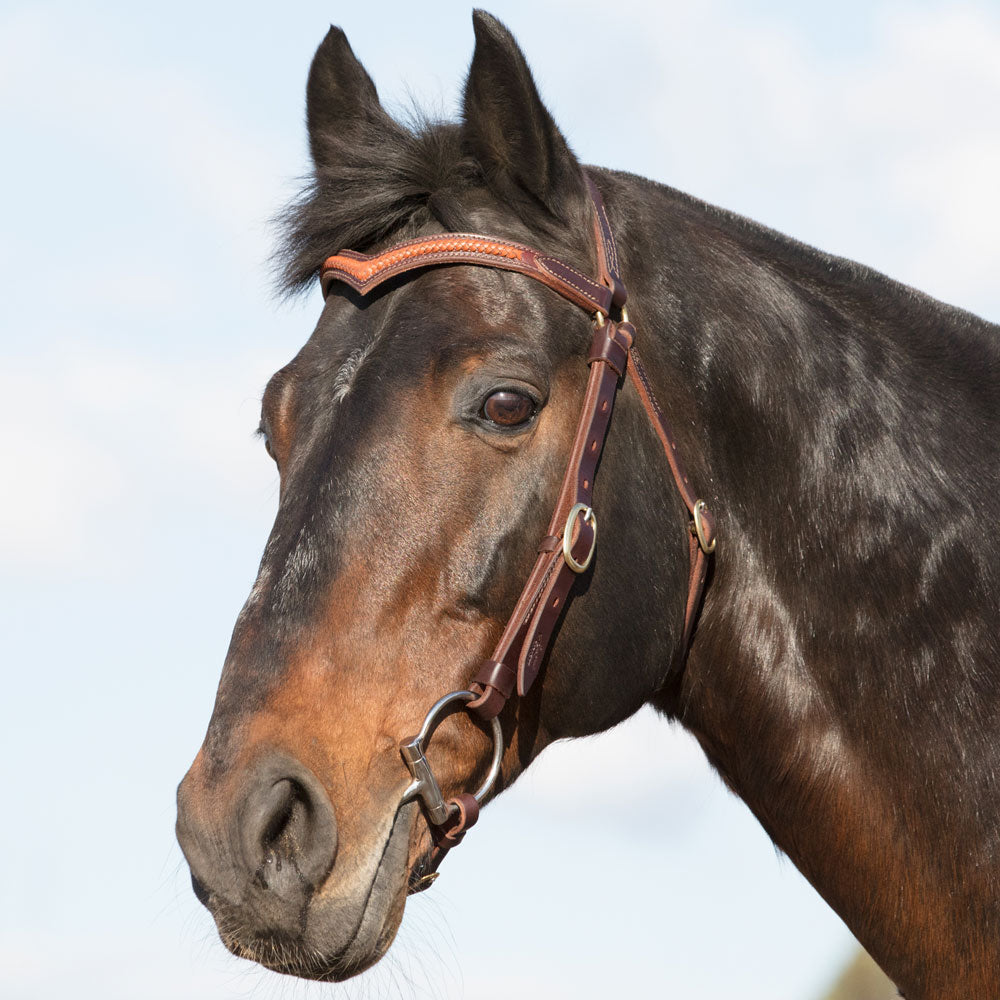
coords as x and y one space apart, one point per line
698 517
589 517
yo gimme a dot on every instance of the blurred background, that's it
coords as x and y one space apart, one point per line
145 147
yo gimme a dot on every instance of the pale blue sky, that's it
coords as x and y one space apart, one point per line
145 147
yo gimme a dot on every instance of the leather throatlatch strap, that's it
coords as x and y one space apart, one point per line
569 543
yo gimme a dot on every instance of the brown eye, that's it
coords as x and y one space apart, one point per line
508 408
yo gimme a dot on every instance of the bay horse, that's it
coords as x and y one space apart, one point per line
836 655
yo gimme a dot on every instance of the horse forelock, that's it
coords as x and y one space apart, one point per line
390 184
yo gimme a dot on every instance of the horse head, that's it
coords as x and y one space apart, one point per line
421 436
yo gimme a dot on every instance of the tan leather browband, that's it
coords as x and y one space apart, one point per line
568 545
364 273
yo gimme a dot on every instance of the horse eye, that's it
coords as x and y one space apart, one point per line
262 433
508 408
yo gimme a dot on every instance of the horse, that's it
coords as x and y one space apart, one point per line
793 489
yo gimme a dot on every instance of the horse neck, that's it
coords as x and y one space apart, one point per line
837 679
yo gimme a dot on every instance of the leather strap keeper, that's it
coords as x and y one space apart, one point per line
550 543
498 676
606 347
466 814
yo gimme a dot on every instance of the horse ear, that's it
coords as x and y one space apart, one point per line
341 100
508 130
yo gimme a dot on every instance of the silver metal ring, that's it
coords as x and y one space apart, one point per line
425 784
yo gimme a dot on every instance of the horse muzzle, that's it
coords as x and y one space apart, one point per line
264 861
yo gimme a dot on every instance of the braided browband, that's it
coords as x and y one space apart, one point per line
363 273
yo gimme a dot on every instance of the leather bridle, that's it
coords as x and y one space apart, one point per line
571 538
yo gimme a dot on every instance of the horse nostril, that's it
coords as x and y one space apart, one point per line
289 831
